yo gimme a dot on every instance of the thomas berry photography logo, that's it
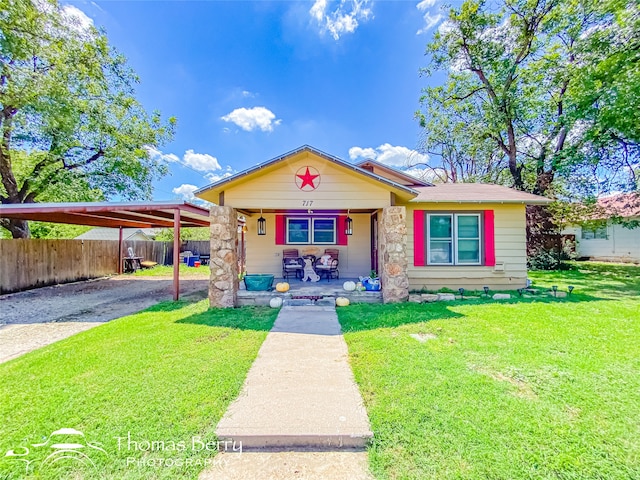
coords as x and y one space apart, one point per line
66 446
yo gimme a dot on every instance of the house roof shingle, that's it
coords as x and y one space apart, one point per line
625 205
475 193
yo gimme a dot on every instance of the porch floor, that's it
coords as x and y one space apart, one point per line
309 291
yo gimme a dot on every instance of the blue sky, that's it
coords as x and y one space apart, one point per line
250 80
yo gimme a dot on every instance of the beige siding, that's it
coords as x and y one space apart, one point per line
337 189
264 256
510 247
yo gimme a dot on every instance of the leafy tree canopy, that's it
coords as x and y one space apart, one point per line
71 127
542 95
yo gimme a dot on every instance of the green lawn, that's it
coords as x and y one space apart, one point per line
165 374
167 270
524 389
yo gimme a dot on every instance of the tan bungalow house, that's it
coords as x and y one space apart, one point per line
414 234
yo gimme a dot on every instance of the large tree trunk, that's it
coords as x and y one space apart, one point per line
18 228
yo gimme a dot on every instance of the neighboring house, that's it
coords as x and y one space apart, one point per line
415 234
610 241
102 233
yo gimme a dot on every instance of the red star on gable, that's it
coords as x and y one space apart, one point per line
307 179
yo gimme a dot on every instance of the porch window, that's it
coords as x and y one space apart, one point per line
298 230
453 239
306 230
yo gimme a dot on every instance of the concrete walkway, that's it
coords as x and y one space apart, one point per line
300 412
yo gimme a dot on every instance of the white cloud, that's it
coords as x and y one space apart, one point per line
357 152
426 4
250 119
216 177
156 154
344 19
248 94
202 162
430 19
186 191
77 19
395 156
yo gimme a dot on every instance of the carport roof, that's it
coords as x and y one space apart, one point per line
111 214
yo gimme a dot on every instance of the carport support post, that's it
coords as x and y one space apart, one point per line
120 255
176 254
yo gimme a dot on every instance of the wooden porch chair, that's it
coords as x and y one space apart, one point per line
291 263
328 267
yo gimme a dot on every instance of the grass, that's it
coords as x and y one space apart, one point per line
167 271
524 389
166 374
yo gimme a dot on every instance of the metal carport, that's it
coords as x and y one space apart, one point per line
119 215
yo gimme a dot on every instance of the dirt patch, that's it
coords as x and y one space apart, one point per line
522 389
32 319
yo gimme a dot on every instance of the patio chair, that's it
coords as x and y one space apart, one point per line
327 264
291 263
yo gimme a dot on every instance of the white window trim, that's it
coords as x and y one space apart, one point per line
310 223
454 238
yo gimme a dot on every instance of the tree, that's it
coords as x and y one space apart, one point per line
544 91
71 128
187 233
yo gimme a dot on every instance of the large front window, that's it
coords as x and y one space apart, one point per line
304 230
453 238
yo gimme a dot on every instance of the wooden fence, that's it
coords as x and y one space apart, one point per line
32 263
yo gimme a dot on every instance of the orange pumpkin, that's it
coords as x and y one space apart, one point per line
282 287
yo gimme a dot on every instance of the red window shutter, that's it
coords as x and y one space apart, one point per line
341 236
489 239
281 230
419 244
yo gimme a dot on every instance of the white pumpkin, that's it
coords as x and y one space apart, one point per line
275 302
342 301
349 286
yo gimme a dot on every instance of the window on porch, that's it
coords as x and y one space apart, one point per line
321 231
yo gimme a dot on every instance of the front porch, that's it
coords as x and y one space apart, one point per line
308 293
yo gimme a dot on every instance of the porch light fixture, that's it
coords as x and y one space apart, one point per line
349 225
262 225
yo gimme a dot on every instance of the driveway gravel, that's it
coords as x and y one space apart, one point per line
35 318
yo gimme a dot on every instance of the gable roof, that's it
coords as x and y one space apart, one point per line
476 193
104 233
305 148
408 180
623 205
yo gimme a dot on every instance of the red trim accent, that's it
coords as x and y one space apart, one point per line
489 239
341 225
281 230
419 246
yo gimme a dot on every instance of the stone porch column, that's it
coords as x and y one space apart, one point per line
223 285
392 254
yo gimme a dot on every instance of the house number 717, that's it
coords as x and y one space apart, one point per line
307 203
